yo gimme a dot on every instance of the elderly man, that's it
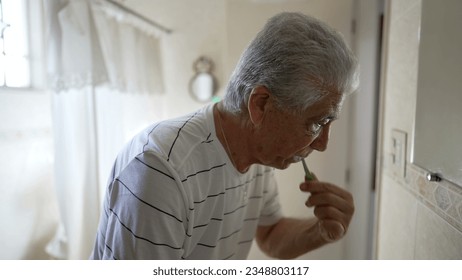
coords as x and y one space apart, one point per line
202 186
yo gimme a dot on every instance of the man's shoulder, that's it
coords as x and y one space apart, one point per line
174 140
177 135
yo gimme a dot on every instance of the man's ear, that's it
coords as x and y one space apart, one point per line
258 104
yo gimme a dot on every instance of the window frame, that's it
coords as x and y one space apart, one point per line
36 56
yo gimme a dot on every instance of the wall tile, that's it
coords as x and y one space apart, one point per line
398 210
436 238
401 71
459 210
425 188
442 198
401 8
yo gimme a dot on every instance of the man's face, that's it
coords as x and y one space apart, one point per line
285 137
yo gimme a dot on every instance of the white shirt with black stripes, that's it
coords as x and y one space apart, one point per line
174 194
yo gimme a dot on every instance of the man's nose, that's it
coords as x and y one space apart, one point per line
320 143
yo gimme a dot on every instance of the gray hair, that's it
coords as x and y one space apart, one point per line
298 58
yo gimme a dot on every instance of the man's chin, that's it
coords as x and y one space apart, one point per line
284 164
281 164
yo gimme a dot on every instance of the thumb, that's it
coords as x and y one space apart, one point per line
331 230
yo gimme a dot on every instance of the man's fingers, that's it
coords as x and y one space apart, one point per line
333 206
319 187
326 198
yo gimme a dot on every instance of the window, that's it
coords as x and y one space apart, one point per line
21 27
14 59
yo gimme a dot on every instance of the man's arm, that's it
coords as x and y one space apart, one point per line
145 215
290 238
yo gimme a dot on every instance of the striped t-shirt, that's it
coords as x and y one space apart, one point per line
174 194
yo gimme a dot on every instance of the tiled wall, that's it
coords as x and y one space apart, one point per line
443 198
417 219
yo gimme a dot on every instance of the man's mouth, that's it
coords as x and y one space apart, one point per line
297 158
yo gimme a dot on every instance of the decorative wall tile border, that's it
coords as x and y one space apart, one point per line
444 198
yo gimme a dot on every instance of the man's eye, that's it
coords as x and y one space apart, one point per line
318 126
314 128
325 122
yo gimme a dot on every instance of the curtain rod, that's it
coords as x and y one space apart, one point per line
130 11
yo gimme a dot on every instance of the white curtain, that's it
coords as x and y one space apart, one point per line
105 71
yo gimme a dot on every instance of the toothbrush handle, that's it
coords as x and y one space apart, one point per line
309 177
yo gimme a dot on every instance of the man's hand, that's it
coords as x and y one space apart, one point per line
333 207
290 238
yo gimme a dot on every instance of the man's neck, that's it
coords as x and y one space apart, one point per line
234 137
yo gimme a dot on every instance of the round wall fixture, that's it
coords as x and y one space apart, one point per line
203 84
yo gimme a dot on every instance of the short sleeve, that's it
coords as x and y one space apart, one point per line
145 216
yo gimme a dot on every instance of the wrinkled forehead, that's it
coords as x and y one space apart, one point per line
329 105
327 90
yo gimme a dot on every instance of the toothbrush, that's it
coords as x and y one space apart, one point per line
308 175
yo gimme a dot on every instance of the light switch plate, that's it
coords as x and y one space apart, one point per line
398 152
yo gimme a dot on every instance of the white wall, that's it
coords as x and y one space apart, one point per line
198 29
